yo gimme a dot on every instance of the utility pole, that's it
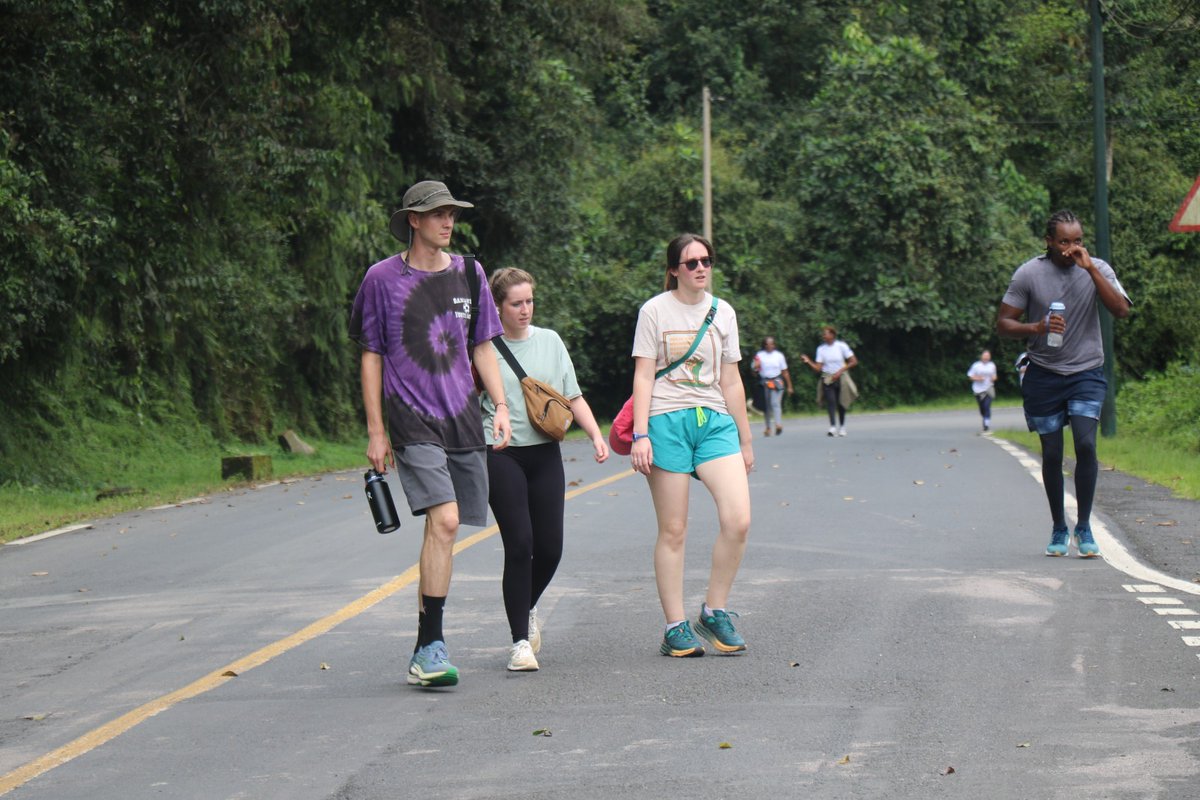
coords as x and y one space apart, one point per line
1108 413
707 127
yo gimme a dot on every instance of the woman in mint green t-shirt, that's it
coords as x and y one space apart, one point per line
526 480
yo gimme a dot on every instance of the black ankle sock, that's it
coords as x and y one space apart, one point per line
429 622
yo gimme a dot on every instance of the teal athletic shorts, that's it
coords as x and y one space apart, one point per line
683 440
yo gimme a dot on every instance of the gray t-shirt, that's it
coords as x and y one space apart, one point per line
1039 282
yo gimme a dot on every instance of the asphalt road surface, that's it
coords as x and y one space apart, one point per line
907 639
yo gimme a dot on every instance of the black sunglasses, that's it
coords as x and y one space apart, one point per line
696 263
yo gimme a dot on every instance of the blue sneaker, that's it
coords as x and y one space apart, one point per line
430 666
680 642
1085 544
718 629
1058 542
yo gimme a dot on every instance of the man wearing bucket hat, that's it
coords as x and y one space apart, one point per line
412 317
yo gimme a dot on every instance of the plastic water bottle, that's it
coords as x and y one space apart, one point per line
379 498
1057 309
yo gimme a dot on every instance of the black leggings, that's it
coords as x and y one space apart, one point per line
525 491
833 393
1083 430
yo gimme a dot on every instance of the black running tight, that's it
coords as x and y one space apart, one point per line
833 393
526 486
1083 430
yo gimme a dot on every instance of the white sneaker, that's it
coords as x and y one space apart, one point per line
535 631
842 431
522 659
832 430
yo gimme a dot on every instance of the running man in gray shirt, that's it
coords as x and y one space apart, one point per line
1064 384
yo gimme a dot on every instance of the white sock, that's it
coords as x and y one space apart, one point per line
708 612
672 625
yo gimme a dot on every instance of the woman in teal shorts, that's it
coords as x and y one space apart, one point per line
689 419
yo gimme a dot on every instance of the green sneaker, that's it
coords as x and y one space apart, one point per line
1059 538
430 666
718 629
680 642
1085 544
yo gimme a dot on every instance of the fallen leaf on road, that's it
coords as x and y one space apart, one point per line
324 665
1166 689
919 483
1023 744
347 497
341 479
848 497
574 483
81 589
794 664
34 717
784 504
542 732
612 494
39 574
299 502
725 745
946 771
229 674
1167 524
181 637
844 760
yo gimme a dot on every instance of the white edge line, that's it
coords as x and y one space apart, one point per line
1111 549
48 534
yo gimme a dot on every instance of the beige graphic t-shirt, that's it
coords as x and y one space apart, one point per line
665 331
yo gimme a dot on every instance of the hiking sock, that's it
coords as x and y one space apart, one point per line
429 621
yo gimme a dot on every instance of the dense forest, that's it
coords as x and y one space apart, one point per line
190 192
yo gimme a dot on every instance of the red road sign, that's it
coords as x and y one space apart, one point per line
1187 218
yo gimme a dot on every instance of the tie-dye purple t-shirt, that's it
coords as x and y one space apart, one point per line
418 322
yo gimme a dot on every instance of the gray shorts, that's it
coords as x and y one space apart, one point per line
431 476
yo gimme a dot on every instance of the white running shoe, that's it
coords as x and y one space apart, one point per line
832 430
535 631
522 659
842 431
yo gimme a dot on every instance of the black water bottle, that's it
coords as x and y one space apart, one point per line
379 497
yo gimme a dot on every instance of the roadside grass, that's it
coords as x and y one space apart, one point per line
156 471
1148 459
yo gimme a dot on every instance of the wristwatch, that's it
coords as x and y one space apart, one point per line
637 436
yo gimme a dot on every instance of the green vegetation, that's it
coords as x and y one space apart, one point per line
191 192
124 466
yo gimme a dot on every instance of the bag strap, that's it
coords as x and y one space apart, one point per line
712 312
499 344
472 269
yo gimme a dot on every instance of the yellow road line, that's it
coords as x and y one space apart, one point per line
105 733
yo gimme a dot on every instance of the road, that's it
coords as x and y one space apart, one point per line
907 639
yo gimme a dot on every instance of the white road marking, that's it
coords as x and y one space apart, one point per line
1143 587
1178 611
1185 624
1191 641
1161 601
49 534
